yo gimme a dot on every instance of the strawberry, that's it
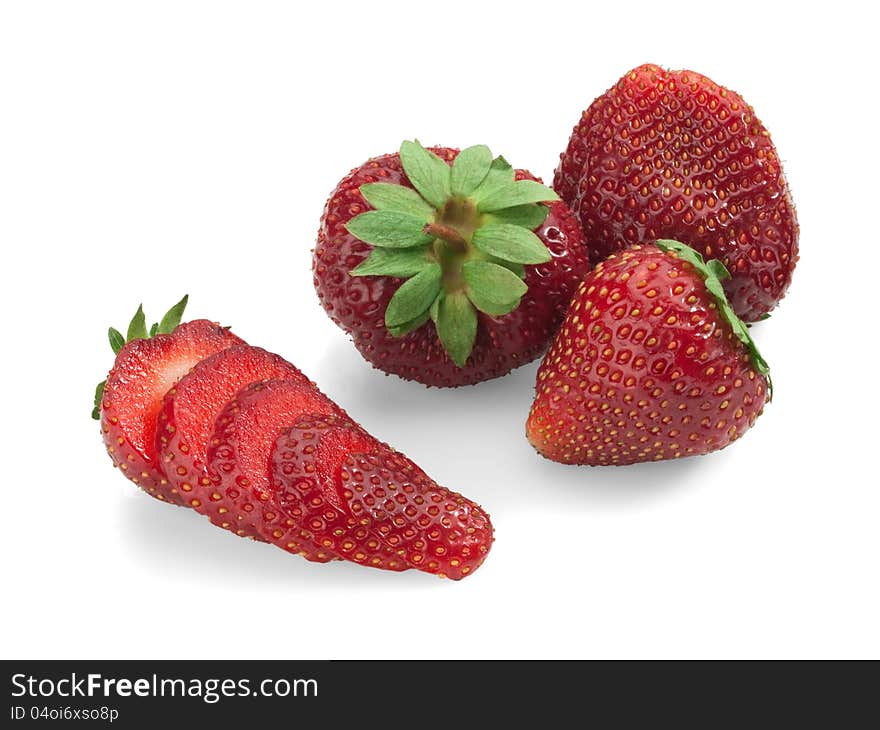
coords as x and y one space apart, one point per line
188 411
237 432
239 448
671 154
359 499
147 364
651 363
447 268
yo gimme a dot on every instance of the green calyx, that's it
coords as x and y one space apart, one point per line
713 273
137 330
461 240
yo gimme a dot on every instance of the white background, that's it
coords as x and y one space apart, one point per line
152 149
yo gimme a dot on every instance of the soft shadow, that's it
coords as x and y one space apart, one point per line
472 439
180 542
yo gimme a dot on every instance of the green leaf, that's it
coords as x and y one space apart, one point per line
501 174
137 328
457 326
154 329
511 243
385 196
407 327
519 192
389 229
713 272
470 169
517 269
427 172
117 341
719 269
173 316
401 262
434 309
493 289
99 394
414 296
528 216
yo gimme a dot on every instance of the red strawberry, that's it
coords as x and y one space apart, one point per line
146 368
370 504
671 154
188 411
428 259
651 363
240 445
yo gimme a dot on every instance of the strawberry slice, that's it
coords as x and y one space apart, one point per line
239 449
129 401
375 507
186 417
306 501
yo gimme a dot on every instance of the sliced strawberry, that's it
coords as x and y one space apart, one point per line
189 410
306 504
145 369
239 449
376 508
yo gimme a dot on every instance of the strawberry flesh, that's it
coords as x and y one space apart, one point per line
189 410
144 371
240 445
310 455
376 507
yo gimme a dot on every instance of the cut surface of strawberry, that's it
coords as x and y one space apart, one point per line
189 410
391 515
240 446
306 501
144 371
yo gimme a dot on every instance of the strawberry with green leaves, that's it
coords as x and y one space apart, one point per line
651 363
148 363
447 267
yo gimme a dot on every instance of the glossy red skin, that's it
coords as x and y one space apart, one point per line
622 383
188 412
240 445
143 372
374 507
310 453
357 304
671 154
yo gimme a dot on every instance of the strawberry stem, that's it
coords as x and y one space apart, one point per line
448 234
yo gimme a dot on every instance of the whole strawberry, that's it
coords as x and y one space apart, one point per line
651 363
447 268
671 154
